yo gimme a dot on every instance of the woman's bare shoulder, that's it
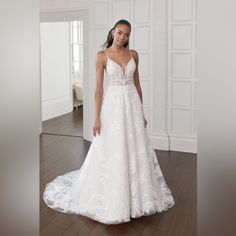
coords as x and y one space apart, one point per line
101 53
101 56
134 54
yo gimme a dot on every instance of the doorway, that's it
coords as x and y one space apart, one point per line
62 40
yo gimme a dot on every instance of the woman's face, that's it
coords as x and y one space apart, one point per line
121 34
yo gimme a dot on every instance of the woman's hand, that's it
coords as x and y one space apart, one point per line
97 127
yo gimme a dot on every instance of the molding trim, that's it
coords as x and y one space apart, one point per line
161 142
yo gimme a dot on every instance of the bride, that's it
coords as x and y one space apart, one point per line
120 178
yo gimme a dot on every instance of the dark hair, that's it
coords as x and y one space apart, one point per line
109 40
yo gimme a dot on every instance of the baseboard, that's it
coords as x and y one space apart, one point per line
161 142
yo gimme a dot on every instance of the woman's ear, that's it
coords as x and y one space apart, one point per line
112 33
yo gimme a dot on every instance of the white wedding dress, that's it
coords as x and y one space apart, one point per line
120 178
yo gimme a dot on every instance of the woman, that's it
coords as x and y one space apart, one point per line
120 178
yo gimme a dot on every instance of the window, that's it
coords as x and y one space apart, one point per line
77 51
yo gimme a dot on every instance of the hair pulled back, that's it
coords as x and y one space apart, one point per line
110 39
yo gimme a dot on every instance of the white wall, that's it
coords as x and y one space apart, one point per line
182 76
76 12
163 33
62 5
56 86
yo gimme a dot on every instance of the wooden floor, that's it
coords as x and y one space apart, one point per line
61 153
69 124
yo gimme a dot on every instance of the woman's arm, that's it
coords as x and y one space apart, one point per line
98 91
137 82
136 75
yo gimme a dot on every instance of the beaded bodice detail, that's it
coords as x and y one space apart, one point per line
117 76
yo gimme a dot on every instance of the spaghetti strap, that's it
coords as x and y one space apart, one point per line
106 53
130 53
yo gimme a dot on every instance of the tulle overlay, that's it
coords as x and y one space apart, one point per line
120 178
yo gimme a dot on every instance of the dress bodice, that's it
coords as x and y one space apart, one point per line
116 75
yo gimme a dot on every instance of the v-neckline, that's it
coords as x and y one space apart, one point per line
123 69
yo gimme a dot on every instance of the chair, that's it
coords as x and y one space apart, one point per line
77 95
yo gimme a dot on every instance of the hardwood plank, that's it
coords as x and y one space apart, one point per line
67 124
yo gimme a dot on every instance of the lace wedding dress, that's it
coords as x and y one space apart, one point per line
120 178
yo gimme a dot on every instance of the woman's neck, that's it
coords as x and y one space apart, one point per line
116 48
